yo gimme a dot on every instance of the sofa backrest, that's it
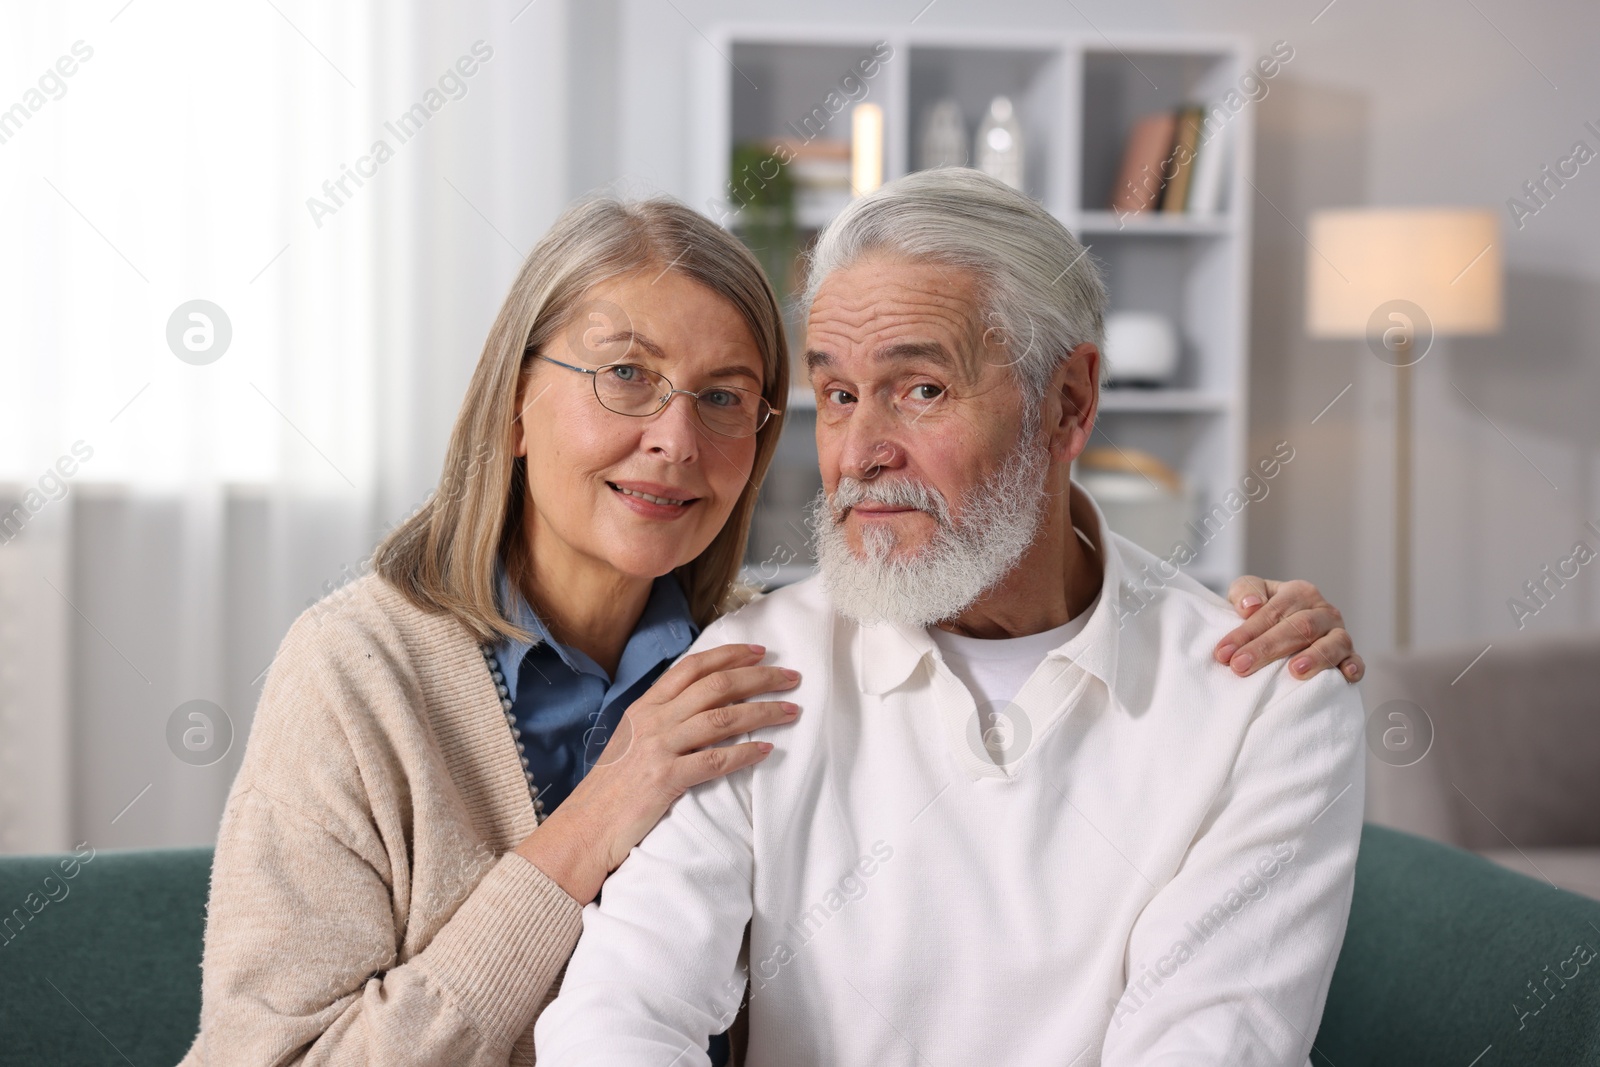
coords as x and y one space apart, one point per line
1515 756
100 956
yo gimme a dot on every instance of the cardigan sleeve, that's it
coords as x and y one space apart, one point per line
309 958
301 954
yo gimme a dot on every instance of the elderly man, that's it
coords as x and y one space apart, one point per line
1025 817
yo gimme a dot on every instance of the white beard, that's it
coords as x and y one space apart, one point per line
964 560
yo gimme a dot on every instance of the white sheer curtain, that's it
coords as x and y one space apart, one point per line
164 515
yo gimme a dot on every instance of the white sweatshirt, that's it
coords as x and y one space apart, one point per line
1157 870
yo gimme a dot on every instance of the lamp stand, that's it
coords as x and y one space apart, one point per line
1402 495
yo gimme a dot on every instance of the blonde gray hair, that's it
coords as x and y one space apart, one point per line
1036 282
443 557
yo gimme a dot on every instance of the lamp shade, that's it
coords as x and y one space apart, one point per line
1444 260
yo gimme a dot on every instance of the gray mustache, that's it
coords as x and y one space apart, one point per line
895 494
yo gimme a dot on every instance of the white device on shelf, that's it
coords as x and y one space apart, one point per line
1141 348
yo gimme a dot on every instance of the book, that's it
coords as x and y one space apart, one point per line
1211 170
1139 182
820 170
1180 165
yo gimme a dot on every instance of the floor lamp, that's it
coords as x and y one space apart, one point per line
1398 278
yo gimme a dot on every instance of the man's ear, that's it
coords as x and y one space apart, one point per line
1072 401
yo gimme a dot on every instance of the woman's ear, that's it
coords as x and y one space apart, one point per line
525 399
1072 402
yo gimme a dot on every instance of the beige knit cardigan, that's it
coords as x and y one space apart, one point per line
366 907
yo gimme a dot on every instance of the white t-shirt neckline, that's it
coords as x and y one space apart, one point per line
996 669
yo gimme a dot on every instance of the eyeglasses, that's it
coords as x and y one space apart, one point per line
629 389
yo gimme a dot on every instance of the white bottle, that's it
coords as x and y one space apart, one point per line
999 148
944 136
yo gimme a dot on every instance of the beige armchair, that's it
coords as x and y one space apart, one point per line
1512 771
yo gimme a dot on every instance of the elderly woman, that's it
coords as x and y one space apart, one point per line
451 755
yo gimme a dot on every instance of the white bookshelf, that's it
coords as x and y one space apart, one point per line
1077 95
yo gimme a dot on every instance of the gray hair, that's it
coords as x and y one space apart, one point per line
1036 281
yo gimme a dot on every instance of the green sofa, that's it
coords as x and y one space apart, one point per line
1436 966
108 971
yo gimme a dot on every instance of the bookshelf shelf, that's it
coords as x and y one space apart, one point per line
1076 97
1115 399
1150 223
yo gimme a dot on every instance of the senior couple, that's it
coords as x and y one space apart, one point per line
960 798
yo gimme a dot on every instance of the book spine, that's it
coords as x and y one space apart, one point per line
1181 165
